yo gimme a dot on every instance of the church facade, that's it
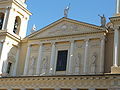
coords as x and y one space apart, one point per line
65 55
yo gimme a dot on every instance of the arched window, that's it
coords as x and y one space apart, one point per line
17 25
1 20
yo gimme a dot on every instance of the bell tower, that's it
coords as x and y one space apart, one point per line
14 18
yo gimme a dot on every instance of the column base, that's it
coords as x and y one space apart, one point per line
115 70
4 75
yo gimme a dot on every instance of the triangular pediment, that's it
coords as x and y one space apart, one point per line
64 27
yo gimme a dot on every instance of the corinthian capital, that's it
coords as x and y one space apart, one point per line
116 27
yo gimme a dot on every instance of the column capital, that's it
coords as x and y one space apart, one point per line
53 43
86 39
72 41
29 45
116 27
102 38
2 41
40 43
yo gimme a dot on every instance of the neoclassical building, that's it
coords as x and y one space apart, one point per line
65 55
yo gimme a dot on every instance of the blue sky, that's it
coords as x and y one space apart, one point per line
47 11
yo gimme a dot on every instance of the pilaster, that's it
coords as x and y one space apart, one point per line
71 57
27 60
16 62
52 60
102 52
116 46
86 55
39 59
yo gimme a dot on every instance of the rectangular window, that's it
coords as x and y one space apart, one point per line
62 60
9 67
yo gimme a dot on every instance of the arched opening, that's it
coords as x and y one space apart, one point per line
10 63
17 25
1 20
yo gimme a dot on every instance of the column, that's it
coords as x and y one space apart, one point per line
91 88
17 60
23 89
27 60
37 89
9 89
71 57
1 45
74 89
116 46
102 52
3 59
5 18
86 56
39 60
118 7
57 89
52 60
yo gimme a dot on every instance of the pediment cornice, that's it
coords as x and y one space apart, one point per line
63 27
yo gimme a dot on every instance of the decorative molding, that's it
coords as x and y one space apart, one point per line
104 81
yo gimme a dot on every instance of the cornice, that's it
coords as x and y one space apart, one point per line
81 34
115 18
65 19
62 77
5 33
5 1
22 7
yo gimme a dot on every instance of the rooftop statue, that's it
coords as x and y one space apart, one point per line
103 20
66 10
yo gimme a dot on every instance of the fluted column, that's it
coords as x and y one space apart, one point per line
102 52
86 56
52 60
27 60
39 59
71 57
17 60
116 46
